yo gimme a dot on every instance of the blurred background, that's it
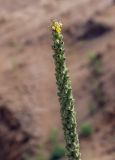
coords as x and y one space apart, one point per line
30 127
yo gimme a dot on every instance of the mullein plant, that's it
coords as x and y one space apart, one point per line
66 100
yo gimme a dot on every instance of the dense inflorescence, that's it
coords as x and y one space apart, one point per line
66 100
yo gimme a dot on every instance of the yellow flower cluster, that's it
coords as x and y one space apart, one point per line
56 26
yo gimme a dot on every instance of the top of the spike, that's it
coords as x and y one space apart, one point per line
56 26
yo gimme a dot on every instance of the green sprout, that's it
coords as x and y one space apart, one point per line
57 153
86 130
53 137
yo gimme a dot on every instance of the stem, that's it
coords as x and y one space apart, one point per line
66 100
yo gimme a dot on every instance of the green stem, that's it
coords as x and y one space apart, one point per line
66 100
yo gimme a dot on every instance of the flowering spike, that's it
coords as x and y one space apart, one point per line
66 100
56 26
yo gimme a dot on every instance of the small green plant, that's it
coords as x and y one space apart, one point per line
66 100
25 156
100 96
92 57
86 130
92 108
40 157
14 44
57 153
53 137
95 64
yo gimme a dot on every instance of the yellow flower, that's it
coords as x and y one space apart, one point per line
56 26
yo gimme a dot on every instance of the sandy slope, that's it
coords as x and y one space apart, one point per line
27 82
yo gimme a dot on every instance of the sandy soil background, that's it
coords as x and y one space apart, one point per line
29 106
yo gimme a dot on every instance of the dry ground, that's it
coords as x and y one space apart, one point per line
27 82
